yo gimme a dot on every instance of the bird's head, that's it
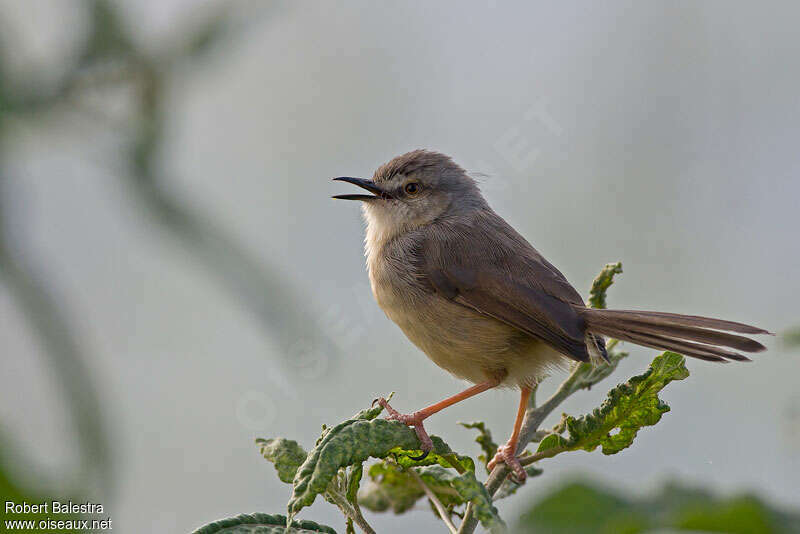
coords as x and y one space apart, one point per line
414 190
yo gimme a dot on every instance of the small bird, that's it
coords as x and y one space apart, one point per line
483 304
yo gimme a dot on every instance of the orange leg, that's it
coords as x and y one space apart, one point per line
458 397
415 419
508 453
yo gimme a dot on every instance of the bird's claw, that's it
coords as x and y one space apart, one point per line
420 457
505 454
414 419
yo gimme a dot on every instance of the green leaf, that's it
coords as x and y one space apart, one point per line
442 455
400 490
392 487
628 407
597 295
579 508
471 490
364 415
484 439
286 454
371 413
350 443
262 524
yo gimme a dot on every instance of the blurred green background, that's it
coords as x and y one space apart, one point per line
176 279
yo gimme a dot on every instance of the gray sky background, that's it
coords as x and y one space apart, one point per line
662 134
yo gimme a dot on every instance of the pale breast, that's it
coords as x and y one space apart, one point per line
462 341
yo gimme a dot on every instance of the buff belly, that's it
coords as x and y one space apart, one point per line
469 345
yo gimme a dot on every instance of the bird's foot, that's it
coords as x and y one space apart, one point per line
414 419
505 454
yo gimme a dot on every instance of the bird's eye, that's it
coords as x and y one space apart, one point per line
411 188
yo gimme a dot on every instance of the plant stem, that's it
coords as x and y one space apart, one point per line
350 510
435 500
549 453
360 521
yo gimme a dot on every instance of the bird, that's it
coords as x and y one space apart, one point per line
483 304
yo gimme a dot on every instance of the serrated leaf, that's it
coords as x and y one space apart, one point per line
350 443
364 415
286 454
370 413
628 408
259 523
597 295
484 439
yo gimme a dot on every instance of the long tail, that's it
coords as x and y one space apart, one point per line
699 337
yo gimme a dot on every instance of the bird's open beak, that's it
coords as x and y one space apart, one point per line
369 185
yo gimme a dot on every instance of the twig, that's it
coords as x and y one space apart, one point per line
435 500
360 521
533 458
351 510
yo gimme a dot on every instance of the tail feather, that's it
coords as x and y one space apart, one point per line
695 336
696 350
678 319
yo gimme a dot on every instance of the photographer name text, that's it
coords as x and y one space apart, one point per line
55 508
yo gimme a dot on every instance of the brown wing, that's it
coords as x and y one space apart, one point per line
482 263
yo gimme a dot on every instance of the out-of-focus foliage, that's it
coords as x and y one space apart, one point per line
47 316
587 508
262 524
628 408
791 338
107 58
13 491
